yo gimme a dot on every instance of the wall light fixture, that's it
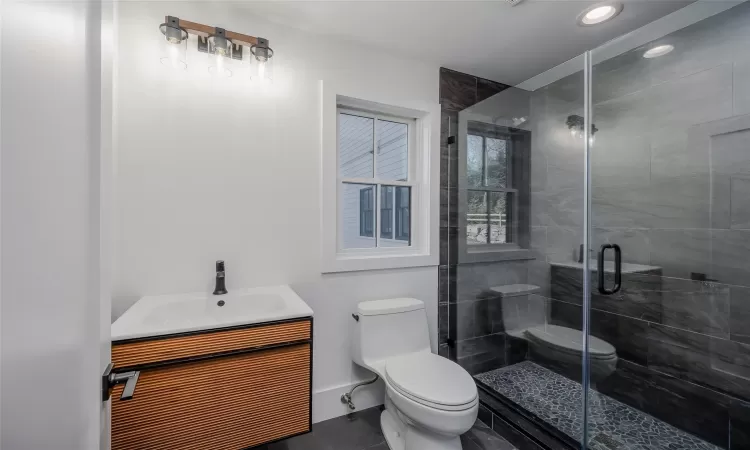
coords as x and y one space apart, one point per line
220 54
222 47
174 52
576 125
261 62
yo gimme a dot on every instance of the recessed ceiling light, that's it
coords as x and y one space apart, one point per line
599 13
660 50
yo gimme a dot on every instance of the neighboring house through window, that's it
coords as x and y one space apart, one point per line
380 193
366 211
374 172
494 182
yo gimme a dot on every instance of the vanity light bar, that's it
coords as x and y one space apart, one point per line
255 60
206 31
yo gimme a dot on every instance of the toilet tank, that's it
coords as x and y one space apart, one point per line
388 328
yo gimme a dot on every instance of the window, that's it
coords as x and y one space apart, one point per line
494 191
379 183
373 152
490 194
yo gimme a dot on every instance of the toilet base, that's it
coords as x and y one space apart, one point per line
400 436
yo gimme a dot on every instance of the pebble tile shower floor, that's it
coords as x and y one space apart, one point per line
557 401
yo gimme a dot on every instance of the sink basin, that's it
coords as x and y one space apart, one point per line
171 314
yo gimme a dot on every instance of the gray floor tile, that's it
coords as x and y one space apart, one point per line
361 431
486 439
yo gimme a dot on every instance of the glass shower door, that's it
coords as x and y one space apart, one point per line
669 227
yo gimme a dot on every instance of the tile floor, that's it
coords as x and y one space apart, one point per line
361 431
613 425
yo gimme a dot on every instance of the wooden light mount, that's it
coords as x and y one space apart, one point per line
206 31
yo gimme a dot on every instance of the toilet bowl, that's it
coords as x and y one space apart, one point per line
430 401
557 347
563 347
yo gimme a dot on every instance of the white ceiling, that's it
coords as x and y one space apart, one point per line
486 38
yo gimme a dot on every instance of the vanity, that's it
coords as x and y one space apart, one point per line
224 372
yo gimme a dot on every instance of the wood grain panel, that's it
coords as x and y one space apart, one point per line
150 351
226 403
207 30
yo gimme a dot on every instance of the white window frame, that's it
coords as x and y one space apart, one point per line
423 177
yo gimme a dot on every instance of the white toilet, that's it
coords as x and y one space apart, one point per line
564 346
525 317
430 401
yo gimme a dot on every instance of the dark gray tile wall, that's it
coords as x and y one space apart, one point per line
670 177
465 334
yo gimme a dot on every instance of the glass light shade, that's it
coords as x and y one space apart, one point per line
174 47
220 57
261 63
220 66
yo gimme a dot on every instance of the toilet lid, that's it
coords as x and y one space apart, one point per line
569 340
431 378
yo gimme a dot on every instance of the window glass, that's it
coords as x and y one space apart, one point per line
403 214
496 169
499 217
358 215
392 150
476 218
373 154
475 161
356 144
386 212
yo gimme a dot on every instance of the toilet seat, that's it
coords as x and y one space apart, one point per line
432 381
568 340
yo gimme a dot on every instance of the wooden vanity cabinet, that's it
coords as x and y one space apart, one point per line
226 389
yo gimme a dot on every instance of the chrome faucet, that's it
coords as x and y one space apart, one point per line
221 287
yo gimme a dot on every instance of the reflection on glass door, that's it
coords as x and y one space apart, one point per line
670 185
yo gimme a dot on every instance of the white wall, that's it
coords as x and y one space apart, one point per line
51 308
226 170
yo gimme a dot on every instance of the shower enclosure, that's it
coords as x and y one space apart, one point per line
602 293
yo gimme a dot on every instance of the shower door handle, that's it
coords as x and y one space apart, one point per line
618 269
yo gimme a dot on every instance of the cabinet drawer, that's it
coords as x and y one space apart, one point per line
168 348
230 402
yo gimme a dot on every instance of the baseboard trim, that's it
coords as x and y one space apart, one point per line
327 402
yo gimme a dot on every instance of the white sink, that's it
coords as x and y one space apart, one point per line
170 314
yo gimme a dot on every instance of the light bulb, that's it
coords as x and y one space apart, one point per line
261 70
658 51
220 69
597 13
600 13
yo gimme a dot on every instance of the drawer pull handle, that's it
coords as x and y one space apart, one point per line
109 380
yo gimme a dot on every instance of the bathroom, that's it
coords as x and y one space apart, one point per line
514 200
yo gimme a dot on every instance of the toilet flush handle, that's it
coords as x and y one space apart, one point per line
355 317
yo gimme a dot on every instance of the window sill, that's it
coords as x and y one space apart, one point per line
476 255
379 261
